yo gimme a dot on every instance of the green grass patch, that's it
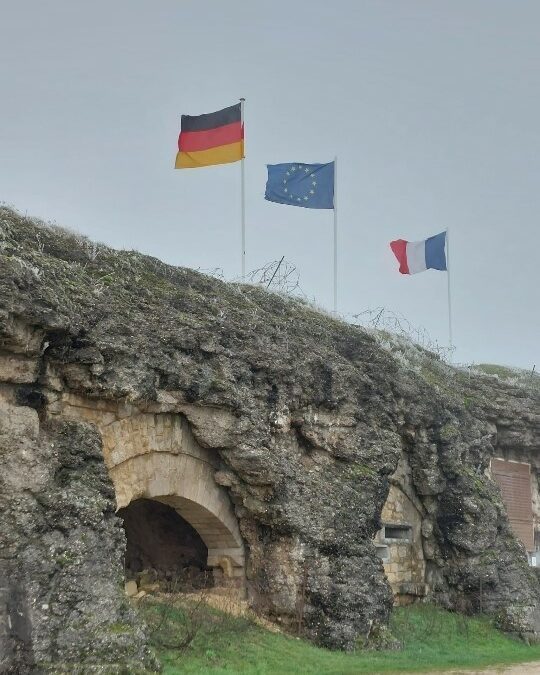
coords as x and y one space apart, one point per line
433 639
494 369
530 379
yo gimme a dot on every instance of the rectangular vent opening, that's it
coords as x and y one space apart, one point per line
402 532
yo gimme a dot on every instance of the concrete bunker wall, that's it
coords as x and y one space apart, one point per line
399 543
402 542
155 456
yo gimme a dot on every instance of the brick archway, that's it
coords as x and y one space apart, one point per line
155 456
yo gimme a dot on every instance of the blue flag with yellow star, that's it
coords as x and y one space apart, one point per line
307 185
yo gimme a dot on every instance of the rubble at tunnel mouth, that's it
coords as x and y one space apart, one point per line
162 548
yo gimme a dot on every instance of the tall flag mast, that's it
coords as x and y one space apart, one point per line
243 192
451 344
335 237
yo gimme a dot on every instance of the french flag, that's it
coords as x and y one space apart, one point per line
418 256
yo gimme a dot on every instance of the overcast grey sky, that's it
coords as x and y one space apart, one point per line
433 108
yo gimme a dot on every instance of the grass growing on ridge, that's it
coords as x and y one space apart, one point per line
432 638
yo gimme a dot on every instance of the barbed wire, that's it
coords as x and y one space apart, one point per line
385 319
281 276
216 272
277 275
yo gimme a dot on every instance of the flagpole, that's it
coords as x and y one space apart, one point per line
450 342
335 235
243 193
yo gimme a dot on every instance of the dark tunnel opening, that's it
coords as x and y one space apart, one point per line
163 550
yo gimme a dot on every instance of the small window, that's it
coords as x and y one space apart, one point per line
383 552
402 532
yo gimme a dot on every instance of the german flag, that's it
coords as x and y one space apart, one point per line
215 138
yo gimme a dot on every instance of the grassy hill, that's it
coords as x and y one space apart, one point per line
431 639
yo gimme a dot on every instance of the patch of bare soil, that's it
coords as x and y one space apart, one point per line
532 668
226 600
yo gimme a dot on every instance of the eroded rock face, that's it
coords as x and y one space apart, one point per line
455 422
306 419
61 561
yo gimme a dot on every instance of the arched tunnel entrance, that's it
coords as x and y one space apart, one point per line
163 547
155 458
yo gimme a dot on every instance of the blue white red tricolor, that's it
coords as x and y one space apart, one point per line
418 256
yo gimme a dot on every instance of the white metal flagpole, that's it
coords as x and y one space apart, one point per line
450 341
243 195
335 235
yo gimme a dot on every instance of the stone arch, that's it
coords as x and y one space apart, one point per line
155 456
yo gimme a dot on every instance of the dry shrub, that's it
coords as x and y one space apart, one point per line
191 608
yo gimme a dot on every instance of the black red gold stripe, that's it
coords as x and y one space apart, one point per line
190 141
214 138
222 154
212 120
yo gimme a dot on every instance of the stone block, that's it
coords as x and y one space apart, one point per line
21 338
409 588
150 588
17 369
131 588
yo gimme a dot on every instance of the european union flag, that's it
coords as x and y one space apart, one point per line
307 185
